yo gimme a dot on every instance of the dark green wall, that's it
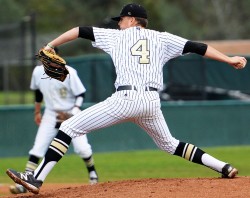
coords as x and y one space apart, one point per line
218 123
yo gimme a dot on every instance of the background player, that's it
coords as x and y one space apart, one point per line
139 55
60 98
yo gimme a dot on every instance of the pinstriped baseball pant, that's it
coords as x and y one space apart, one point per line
140 107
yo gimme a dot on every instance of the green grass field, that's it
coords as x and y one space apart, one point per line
134 165
15 97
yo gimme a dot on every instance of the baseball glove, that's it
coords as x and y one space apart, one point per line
62 116
54 65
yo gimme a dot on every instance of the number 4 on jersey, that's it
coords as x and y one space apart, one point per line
140 48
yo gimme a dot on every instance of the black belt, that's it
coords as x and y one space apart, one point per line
130 87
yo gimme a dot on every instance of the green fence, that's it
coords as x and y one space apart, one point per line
204 124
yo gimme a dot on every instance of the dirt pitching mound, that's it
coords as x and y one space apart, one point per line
149 188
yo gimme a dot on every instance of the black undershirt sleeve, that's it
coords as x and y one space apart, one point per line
87 33
195 47
38 96
81 95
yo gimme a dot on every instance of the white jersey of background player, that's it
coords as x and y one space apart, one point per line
58 96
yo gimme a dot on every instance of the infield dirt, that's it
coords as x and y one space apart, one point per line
146 188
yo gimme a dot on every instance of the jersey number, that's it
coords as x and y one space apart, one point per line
140 48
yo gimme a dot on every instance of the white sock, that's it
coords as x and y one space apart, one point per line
45 170
212 162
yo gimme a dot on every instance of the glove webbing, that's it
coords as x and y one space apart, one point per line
54 59
49 60
57 70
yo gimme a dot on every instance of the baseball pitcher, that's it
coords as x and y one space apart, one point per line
139 55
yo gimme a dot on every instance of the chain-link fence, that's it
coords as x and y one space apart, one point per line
18 46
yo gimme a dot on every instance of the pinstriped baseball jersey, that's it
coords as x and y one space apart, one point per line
139 54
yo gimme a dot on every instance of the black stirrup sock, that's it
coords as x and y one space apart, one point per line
189 152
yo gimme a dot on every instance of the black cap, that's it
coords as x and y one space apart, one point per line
132 10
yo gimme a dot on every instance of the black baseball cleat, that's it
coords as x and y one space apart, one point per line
228 171
26 179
